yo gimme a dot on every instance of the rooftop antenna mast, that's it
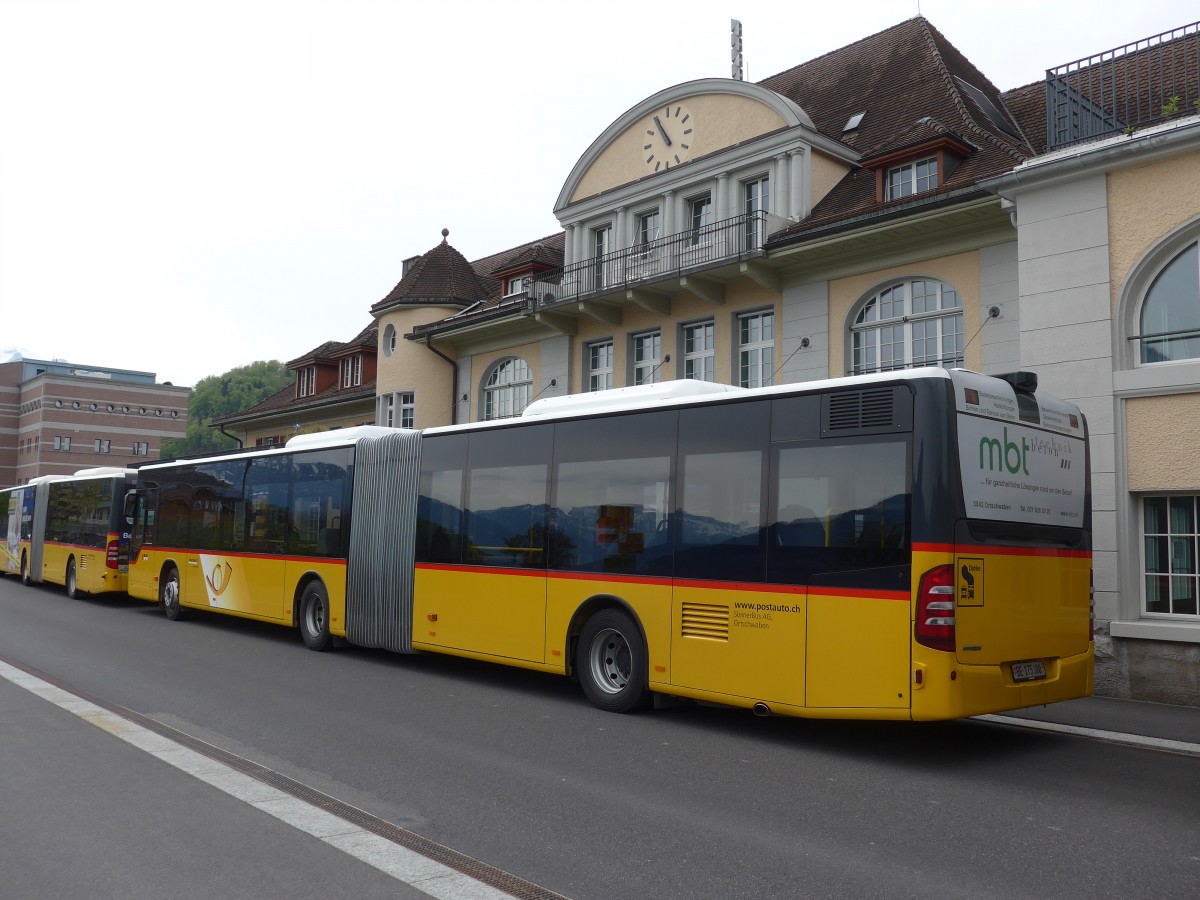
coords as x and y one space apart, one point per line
735 48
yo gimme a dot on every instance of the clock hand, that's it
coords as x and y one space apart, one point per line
658 125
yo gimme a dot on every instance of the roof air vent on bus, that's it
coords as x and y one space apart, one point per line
1024 382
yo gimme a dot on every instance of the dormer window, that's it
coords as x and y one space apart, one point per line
306 381
515 285
352 371
912 178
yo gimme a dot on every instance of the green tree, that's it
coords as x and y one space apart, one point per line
218 396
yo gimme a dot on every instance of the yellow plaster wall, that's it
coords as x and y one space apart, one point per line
1144 203
720 121
1163 437
826 172
960 271
414 367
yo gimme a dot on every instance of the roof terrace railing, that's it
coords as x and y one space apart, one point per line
708 245
1121 90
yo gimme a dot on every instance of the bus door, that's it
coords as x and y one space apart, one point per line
840 527
140 510
260 574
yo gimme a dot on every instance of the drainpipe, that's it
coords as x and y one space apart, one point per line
454 386
221 429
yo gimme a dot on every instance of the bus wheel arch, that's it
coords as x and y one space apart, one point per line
169 591
609 655
311 613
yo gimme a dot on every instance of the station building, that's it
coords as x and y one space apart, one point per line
880 207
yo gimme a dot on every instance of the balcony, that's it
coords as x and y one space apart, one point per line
714 250
1124 89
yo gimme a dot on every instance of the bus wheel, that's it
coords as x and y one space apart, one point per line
612 662
169 595
26 578
72 584
314 617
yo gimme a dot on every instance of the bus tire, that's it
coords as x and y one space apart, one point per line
168 595
72 581
314 617
26 578
613 663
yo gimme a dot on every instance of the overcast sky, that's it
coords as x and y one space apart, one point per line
186 187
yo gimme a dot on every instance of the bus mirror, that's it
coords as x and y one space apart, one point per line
131 506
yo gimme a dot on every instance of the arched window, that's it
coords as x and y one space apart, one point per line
508 389
909 323
1170 318
389 340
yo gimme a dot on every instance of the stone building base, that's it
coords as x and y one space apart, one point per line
1155 671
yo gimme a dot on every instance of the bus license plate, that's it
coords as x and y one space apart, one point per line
1034 670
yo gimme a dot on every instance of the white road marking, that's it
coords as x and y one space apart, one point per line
1113 737
417 871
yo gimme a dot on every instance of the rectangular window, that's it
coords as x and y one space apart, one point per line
601 247
912 178
57 442
306 381
408 409
600 366
515 285
699 345
105 446
647 358
757 196
352 371
1169 558
756 349
387 416
648 227
702 216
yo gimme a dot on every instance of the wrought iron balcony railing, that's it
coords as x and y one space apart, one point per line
710 245
1121 90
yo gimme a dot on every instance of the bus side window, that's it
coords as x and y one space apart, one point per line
837 507
506 496
612 494
722 462
440 502
319 479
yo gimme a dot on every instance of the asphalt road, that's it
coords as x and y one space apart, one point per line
514 768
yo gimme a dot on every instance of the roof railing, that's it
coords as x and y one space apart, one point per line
1125 89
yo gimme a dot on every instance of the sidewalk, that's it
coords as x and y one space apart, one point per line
84 816
1153 720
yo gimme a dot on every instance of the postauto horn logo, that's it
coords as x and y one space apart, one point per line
218 578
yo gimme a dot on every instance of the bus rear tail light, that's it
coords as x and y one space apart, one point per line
935 609
113 554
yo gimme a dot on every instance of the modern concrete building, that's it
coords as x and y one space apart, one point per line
57 417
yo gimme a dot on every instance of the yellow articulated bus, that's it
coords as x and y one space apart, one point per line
906 545
71 530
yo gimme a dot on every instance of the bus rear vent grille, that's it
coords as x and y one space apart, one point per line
705 620
852 410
